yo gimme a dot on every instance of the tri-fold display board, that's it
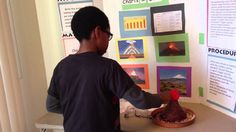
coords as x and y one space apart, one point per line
166 44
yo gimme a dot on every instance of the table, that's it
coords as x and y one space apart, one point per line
207 120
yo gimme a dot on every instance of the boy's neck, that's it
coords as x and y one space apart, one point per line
86 46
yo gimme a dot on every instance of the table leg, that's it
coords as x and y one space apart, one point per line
43 130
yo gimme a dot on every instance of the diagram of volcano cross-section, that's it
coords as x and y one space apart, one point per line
131 51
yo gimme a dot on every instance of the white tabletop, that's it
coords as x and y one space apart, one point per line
207 120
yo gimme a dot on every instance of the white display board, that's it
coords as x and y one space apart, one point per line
222 82
222 24
113 10
221 34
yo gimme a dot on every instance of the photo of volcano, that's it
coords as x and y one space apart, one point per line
138 73
174 78
172 48
176 48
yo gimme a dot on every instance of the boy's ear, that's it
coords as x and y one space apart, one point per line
97 32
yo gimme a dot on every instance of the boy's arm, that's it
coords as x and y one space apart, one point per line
145 100
53 104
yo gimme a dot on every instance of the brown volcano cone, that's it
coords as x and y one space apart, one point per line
173 112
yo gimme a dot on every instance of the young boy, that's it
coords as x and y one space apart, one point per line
86 87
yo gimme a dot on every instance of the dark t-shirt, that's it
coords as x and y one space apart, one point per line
88 87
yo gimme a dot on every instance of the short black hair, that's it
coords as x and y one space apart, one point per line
86 19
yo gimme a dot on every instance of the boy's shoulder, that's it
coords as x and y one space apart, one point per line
87 57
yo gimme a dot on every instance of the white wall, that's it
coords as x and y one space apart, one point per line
4 119
33 79
50 33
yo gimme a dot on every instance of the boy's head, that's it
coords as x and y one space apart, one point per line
86 20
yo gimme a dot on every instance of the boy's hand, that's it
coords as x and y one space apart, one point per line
165 97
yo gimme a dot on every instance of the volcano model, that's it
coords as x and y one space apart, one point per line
173 111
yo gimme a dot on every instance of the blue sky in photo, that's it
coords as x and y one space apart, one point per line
170 73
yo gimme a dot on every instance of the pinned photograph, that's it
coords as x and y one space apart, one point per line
138 73
179 78
172 48
131 49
